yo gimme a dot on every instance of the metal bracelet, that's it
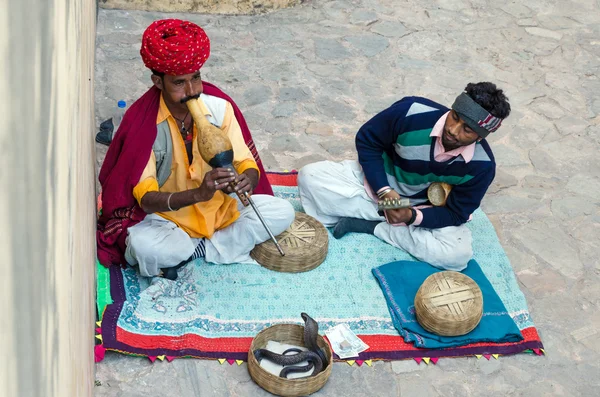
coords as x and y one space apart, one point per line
384 192
169 202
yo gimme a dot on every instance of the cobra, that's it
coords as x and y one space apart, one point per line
314 355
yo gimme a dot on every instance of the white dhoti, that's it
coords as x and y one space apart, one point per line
157 243
330 191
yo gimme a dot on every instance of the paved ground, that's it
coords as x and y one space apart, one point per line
308 77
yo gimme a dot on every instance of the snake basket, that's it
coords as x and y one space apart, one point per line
449 304
294 335
305 244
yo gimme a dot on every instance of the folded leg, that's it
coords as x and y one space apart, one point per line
234 243
157 243
448 248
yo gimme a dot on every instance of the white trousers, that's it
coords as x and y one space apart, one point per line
157 243
330 191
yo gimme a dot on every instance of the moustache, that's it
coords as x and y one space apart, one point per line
188 98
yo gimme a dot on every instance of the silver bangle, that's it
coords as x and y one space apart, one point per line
384 192
169 202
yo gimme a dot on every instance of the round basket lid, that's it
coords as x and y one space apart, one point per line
449 304
305 244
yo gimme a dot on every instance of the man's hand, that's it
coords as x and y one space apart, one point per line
215 179
400 215
246 182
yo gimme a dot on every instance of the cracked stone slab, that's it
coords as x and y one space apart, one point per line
561 254
541 32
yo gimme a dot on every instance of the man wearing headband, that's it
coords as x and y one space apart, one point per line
401 151
162 204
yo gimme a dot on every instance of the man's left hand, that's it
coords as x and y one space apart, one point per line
400 215
246 182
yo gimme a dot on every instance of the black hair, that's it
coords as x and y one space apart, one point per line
490 98
159 74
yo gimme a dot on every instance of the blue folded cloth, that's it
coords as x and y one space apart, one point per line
400 282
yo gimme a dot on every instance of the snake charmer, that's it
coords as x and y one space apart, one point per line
163 205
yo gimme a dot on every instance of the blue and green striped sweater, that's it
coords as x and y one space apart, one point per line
395 149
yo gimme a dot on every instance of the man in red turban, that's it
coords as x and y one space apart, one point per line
162 204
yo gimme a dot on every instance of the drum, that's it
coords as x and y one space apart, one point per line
305 244
449 304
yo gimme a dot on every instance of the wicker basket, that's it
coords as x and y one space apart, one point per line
449 304
438 192
305 244
294 335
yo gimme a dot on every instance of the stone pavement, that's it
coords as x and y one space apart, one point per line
308 77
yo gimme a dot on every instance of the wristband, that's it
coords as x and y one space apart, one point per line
413 216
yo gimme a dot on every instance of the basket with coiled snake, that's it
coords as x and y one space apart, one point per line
316 358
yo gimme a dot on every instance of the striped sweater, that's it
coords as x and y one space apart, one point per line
395 148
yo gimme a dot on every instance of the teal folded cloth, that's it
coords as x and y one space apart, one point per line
400 282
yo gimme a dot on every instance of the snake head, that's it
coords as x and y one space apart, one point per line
309 321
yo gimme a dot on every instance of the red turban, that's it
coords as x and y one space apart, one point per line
174 47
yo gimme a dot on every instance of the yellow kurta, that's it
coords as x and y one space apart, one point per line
200 219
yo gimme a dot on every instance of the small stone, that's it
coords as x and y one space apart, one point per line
489 367
368 44
540 182
285 109
337 147
527 22
257 94
509 157
502 180
327 70
363 17
330 49
571 125
377 105
285 143
405 366
571 207
277 126
555 157
293 94
319 129
548 108
548 282
506 203
549 34
280 72
390 29
563 81
335 110
585 185
585 332
549 242
516 9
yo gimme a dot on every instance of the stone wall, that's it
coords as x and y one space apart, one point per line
47 205
201 6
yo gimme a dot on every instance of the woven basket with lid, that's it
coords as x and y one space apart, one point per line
305 244
449 304
292 334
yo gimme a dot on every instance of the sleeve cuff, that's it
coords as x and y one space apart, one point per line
419 218
149 184
246 165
